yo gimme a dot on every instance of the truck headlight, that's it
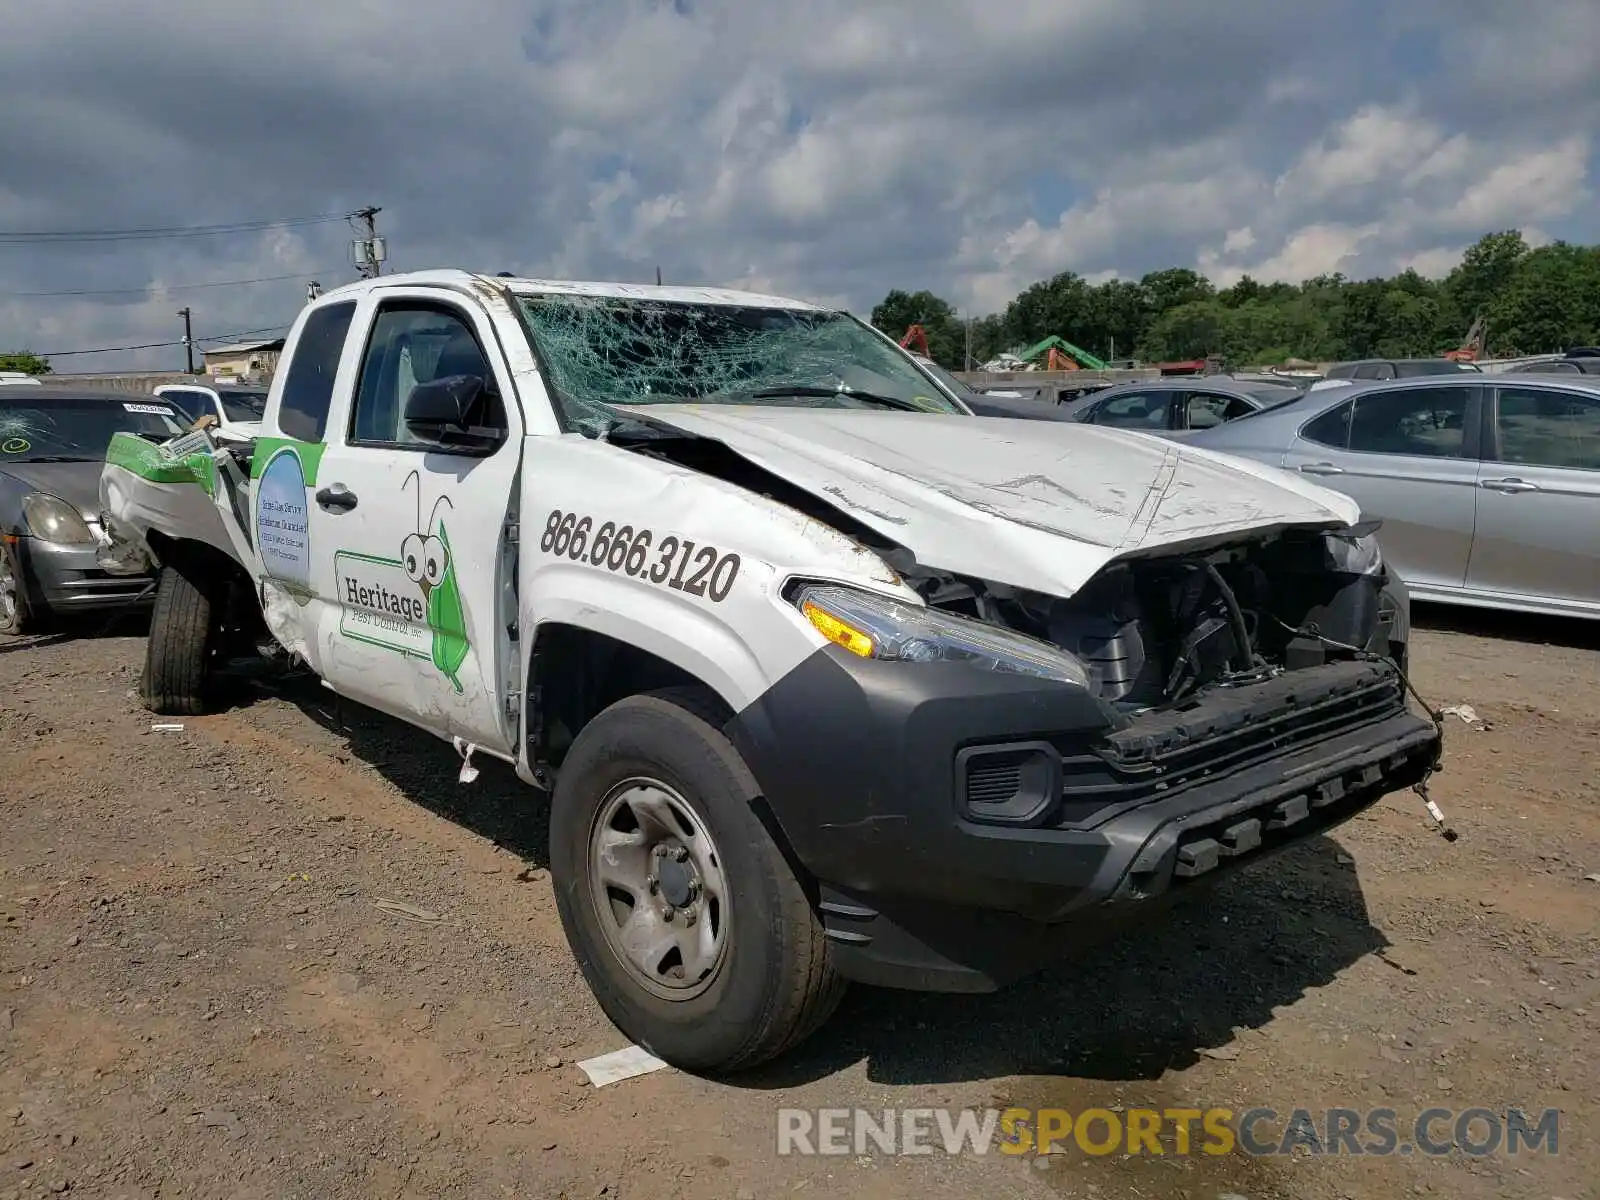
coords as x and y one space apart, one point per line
52 519
878 627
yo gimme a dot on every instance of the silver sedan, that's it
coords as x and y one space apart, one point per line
1488 486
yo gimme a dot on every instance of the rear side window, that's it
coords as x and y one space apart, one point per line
1135 410
1540 428
1332 428
308 387
1420 422
1205 409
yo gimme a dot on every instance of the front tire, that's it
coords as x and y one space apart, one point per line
178 653
689 925
17 614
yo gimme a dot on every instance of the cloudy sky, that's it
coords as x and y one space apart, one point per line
831 149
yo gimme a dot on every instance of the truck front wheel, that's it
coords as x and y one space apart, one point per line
685 917
183 628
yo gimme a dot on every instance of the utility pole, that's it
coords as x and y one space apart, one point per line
369 250
966 357
658 276
188 341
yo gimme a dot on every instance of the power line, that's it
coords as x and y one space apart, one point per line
218 337
174 287
151 232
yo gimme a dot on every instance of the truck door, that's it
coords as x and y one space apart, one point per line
294 581
419 567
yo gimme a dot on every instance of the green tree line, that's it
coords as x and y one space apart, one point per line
1534 300
21 360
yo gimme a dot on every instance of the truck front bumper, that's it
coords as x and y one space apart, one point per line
968 827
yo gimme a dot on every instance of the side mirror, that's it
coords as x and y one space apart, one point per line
451 412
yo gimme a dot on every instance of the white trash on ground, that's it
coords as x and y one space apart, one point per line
620 1065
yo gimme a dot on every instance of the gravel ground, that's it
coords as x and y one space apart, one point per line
200 994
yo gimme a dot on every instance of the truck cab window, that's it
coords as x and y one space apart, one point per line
412 344
308 388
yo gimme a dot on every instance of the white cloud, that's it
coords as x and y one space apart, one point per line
1374 145
1386 189
1433 264
1238 240
1544 183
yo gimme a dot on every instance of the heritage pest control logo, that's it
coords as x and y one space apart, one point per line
410 604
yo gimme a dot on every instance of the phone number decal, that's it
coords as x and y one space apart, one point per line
681 565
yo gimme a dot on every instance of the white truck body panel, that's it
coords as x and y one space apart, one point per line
407 601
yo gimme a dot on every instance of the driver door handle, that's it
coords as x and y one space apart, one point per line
336 498
1510 486
1322 468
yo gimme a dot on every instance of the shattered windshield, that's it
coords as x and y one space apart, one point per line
74 429
601 351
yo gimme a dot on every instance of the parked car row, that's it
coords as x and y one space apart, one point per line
1488 489
1455 533
1164 405
1583 360
1488 486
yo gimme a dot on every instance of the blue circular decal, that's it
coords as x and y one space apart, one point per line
282 529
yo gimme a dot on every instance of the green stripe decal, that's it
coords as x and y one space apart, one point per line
309 453
144 459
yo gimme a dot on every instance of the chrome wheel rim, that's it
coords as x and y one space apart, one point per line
8 592
658 888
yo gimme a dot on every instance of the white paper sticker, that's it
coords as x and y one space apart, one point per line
158 409
619 1065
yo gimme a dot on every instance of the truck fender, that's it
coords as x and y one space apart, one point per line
680 630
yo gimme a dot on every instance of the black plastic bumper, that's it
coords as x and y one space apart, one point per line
865 767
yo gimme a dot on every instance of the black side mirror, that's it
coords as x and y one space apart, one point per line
452 412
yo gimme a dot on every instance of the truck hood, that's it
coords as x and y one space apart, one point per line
1037 504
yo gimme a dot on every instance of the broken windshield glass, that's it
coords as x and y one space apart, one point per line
601 351
45 427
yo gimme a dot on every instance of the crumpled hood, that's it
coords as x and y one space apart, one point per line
78 483
1037 504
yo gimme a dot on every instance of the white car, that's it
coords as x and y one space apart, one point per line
826 678
236 408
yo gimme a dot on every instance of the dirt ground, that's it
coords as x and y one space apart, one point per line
200 995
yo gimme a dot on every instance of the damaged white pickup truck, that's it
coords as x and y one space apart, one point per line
827 678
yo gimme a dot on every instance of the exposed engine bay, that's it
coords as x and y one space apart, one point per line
1154 632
